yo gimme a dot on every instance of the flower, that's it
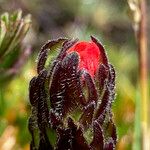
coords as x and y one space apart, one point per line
89 54
65 113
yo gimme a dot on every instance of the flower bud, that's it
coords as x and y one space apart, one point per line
68 113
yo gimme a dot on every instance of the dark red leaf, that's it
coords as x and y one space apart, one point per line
98 139
87 116
109 145
92 92
78 140
102 51
102 77
33 91
44 51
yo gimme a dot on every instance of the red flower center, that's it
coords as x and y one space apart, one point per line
89 54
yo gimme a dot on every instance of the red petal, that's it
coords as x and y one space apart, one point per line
89 54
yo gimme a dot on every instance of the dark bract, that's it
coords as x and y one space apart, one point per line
71 107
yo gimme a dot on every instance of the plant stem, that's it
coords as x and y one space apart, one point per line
143 70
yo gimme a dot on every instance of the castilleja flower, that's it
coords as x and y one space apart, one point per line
67 113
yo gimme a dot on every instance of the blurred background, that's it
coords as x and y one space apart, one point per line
109 21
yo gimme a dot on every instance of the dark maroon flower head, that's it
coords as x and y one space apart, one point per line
71 98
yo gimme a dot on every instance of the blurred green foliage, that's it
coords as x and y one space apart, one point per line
109 22
13 29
